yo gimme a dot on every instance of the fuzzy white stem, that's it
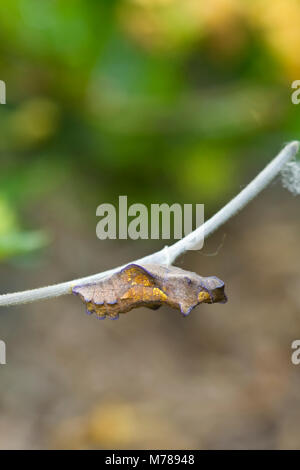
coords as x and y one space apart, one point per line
166 256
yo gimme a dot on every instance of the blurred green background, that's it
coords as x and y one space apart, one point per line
162 101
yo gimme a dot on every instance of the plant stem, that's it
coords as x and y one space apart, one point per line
169 254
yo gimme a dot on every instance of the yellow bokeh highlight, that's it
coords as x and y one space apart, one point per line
163 25
279 24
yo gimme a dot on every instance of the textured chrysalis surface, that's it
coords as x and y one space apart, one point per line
151 286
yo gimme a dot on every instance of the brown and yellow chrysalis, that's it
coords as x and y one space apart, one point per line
151 286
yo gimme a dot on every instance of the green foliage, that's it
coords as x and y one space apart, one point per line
14 242
162 101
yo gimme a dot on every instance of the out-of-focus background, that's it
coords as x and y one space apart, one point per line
162 101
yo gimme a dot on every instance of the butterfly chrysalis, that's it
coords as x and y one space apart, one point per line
151 286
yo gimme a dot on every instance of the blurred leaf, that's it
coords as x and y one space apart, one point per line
7 218
19 243
14 242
